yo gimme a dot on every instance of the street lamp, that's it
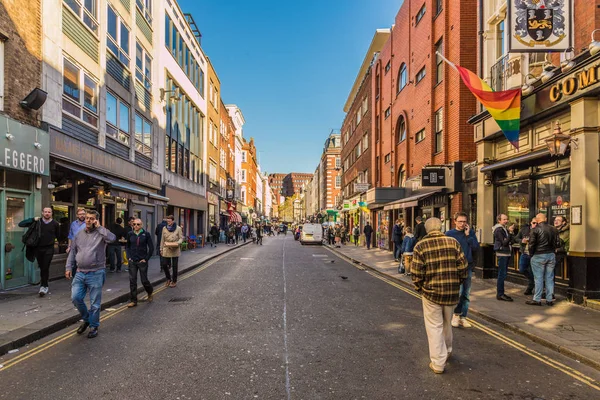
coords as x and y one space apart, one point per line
558 143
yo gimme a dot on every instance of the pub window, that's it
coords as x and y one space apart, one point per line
553 196
87 11
143 136
76 82
513 200
117 39
117 118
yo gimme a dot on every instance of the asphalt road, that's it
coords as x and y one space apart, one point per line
279 321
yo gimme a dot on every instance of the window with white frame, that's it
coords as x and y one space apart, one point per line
439 129
338 181
420 136
244 156
420 74
80 94
338 162
117 39
143 135
1 74
143 66
87 11
223 158
243 177
145 7
365 105
212 172
117 118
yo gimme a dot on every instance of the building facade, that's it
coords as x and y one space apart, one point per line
330 177
213 148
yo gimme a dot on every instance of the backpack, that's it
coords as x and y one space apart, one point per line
356 231
32 236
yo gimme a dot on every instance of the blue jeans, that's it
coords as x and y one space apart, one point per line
397 247
542 266
502 271
525 269
465 293
92 281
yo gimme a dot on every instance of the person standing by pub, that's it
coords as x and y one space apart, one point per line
419 231
562 226
140 249
397 238
503 237
44 249
522 238
172 237
543 242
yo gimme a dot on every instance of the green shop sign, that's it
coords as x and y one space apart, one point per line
23 147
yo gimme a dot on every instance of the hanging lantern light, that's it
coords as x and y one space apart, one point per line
558 143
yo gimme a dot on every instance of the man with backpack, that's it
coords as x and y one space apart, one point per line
139 248
356 234
39 240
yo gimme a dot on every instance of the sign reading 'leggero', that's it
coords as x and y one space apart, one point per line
16 159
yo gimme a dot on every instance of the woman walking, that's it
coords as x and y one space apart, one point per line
171 239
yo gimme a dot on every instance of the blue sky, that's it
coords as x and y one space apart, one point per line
289 66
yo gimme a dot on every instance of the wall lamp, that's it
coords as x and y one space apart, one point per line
528 87
568 63
559 142
594 46
34 100
175 97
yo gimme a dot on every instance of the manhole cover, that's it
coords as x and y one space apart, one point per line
179 299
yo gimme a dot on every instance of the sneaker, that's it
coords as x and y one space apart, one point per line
504 298
131 304
533 303
455 320
82 328
93 333
435 371
464 323
42 291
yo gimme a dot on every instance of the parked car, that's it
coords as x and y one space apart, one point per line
311 234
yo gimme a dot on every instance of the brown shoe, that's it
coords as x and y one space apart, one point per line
150 298
435 371
173 284
167 283
132 304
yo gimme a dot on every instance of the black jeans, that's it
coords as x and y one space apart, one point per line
134 267
173 262
44 255
356 240
114 251
368 240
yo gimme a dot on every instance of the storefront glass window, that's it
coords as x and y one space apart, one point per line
553 196
383 223
62 215
63 193
513 200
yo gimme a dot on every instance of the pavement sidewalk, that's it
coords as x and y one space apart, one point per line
568 328
26 317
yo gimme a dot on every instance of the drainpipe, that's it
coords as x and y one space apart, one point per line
480 34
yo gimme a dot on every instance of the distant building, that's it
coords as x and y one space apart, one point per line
287 185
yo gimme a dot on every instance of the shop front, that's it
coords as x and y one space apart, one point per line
24 164
189 210
213 209
537 178
380 218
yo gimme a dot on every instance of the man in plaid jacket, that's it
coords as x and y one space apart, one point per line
438 268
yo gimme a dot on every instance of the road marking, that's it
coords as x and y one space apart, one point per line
285 335
497 335
72 333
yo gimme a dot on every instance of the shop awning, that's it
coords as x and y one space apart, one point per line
511 162
158 199
113 182
411 201
235 216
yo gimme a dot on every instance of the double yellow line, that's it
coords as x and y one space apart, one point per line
512 343
71 333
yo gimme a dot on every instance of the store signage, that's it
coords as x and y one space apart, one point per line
346 204
212 198
24 148
575 83
361 187
535 25
433 177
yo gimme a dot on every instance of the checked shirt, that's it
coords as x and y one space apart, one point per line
438 268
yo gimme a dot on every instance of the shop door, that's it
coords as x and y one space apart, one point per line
15 268
149 225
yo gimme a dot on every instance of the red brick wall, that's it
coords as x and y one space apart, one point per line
586 19
20 22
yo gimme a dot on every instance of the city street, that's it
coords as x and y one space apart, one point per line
285 321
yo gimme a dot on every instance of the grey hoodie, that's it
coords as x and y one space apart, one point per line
88 249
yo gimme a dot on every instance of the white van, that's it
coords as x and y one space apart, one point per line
311 233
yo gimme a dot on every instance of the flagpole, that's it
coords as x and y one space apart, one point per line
446 60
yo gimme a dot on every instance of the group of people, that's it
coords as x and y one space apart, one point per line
89 245
237 232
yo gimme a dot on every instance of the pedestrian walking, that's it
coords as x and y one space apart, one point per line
214 235
114 249
338 235
158 233
238 232
522 238
140 249
231 234
170 243
47 231
356 234
368 231
469 245
439 266
420 231
259 235
331 235
397 239
76 226
88 250
543 242
503 237
408 244
244 231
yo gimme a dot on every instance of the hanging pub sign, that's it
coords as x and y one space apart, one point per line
433 177
539 25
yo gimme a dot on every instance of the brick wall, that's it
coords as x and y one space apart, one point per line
586 19
20 25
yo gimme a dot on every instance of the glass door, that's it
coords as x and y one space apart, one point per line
15 271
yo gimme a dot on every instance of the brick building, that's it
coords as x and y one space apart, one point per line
216 184
293 182
330 176
249 179
420 110
276 180
24 166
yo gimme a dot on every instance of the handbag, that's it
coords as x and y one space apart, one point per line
171 244
401 269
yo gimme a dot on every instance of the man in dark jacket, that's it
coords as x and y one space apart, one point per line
522 239
502 240
397 238
139 249
114 249
543 242
368 231
214 235
44 251
158 232
420 231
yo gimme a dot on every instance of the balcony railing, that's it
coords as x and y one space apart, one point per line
498 74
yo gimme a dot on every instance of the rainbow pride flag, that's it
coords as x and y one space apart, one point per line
504 107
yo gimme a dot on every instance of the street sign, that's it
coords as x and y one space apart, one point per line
361 187
435 177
